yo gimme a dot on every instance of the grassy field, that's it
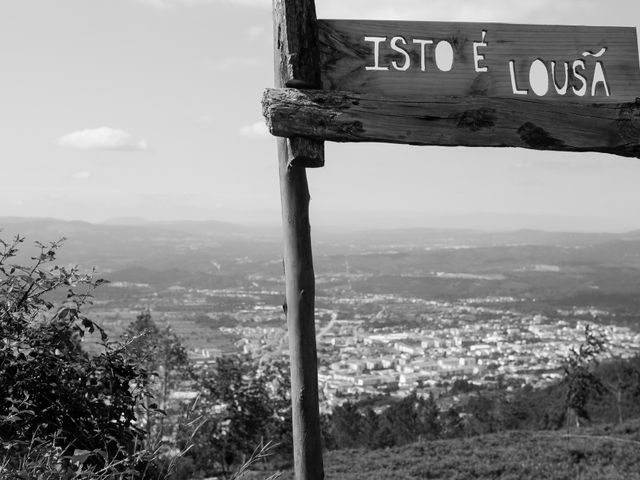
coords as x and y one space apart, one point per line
598 453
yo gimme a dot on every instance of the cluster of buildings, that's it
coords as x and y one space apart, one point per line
484 342
373 345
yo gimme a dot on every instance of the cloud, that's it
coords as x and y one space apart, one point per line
103 138
81 175
255 130
205 118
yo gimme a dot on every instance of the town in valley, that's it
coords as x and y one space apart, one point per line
396 312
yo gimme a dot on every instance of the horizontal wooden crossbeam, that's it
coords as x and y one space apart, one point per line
454 121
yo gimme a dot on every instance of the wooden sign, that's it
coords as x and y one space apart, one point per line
424 83
565 88
416 60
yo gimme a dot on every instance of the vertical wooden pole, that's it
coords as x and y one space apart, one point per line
297 65
300 291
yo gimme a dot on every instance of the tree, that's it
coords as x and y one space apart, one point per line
370 426
451 423
428 414
406 419
277 378
385 434
621 380
482 419
52 392
580 378
346 425
161 354
461 386
403 417
237 403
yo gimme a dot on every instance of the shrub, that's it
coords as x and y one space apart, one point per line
57 402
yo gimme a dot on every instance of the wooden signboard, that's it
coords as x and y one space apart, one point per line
425 83
416 60
566 88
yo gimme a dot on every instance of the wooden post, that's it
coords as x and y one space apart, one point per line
300 291
297 65
461 121
544 87
472 94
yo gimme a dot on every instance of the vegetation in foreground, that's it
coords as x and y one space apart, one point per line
62 410
594 453
68 413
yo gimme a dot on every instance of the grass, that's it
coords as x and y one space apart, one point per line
598 453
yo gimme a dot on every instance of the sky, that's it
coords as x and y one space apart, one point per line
151 109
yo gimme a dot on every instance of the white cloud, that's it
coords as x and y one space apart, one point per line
81 175
103 138
205 118
255 130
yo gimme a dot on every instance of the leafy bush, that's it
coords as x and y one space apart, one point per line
160 352
245 403
58 403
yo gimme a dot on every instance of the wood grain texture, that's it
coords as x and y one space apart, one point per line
296 43
452 121
297 64
300 313
345 55
305 152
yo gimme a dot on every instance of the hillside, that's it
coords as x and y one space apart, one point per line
536 272
598 453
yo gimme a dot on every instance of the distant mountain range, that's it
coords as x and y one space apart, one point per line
134 237
125 244
428 263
